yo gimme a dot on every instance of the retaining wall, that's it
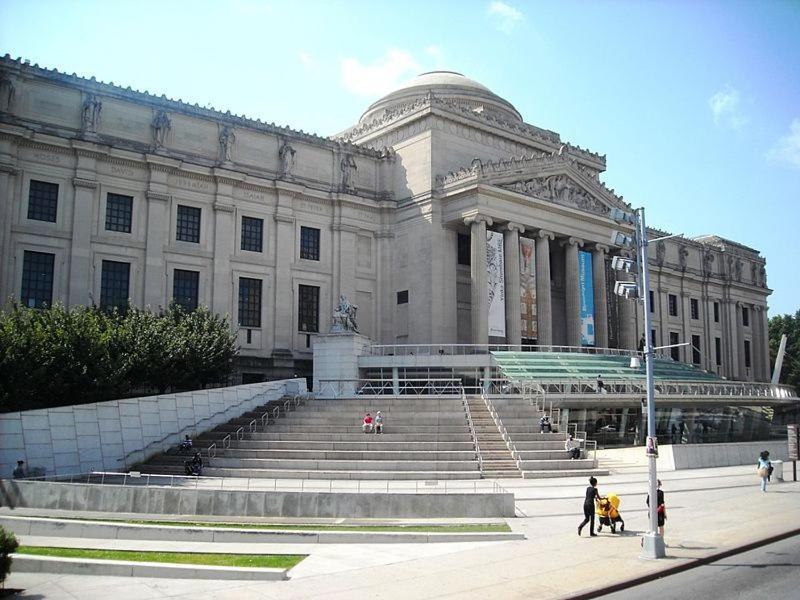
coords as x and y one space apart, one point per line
99 436
176 501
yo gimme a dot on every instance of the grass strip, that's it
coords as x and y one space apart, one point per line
271 561
454 528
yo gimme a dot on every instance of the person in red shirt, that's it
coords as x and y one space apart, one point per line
366 426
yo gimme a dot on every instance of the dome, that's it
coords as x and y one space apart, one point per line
452 86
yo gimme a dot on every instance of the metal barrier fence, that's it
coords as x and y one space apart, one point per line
359 486
437 387
471 349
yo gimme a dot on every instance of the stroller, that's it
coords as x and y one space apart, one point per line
608 513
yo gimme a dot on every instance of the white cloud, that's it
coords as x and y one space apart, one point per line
726 108
379 77
506 17
308 61
787 150
435 52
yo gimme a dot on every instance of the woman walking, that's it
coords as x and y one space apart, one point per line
764 466
661 509
592 496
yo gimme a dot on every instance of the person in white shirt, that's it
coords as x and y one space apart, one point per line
573 446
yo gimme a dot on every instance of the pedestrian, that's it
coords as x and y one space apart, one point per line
673 433
661 510
592 497
573 447
600 385
20 472
764 466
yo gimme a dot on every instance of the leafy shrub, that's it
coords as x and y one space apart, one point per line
8 545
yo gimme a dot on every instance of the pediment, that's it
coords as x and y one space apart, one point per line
561 188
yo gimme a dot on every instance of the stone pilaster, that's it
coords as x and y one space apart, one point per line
600 299
687 325
544 302
737 354
763 348
80 267
627 318
385 308
513 299
573 290
480 298
224 236
7 181
283 293
347 261
755 346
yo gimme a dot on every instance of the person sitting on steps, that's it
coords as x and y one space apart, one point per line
194 466
186 444
378 422
573 446
366 425
545 426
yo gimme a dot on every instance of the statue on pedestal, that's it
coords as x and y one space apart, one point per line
344 316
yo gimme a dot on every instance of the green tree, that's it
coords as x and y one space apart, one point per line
790 326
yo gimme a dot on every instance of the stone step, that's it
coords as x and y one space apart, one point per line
224 462
556 465
527 455
272 435
398 429
548 474
393 455
333 474
501 474
379 442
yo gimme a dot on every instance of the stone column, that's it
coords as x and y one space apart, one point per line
544 306
224 236
573 291
7 201
737 323
687 326
600 299
513 299
480 297
347 261
763 348
283 299
80 267
157 238
385 307
627 317
755 346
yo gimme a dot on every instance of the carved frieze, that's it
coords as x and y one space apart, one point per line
560 189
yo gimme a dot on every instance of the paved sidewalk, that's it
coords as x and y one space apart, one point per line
709 511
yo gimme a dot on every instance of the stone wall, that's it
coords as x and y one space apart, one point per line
108 436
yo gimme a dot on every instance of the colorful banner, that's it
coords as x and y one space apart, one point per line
496 283
587 297
527 287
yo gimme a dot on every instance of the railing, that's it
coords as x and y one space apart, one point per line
512 448
135 479
472 431
471 349
186 430
252 427
389 387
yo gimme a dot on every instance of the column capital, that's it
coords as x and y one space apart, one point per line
8 169
758 308
79 182
223 207
572 241
157 196
543 233
601 248
511 226
478 219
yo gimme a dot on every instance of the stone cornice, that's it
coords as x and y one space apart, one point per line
223 207
157 196
8 169
89 184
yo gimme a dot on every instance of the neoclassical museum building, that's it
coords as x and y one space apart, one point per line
441 214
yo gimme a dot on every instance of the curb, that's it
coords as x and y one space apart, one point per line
27 563
690 564
53 527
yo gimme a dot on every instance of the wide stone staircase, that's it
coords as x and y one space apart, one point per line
497 460
539 455
425 439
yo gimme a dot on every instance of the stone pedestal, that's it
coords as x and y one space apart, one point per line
336 363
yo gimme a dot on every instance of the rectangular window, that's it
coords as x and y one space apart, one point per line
309 243
696 349
249 302
464 250
188 224
673 305
252 234
653 337
716 312
747 353
402 297
745 317
43 201
652 301
695 306
674 352
37 279
114 285
119 210
718 350
308 308
186 288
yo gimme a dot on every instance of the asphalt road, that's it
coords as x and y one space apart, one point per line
770 572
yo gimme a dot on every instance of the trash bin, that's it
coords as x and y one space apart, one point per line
777 470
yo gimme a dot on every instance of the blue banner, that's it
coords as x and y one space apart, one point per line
587 297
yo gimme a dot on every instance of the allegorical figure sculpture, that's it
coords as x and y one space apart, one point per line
226 139
344 316
161 126
6 93
286 155
90 117
349 170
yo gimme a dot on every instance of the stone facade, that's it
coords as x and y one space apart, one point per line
438 158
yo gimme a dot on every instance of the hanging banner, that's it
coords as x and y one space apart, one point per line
496 283
527 287
587 297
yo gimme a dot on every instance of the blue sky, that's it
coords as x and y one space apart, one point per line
695 104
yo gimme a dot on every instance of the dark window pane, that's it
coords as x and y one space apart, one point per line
308 308
119 209
675 353
309 243
653 337
673 305
696 349
402 297
716 312
745 317
747 353
185 288
464 250
695 306
252 234
652 301
249 302
188 224
37 279
114 285
43 201
718 349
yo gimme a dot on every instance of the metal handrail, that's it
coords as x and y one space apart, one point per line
472 431
512 447
428 386
466 349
